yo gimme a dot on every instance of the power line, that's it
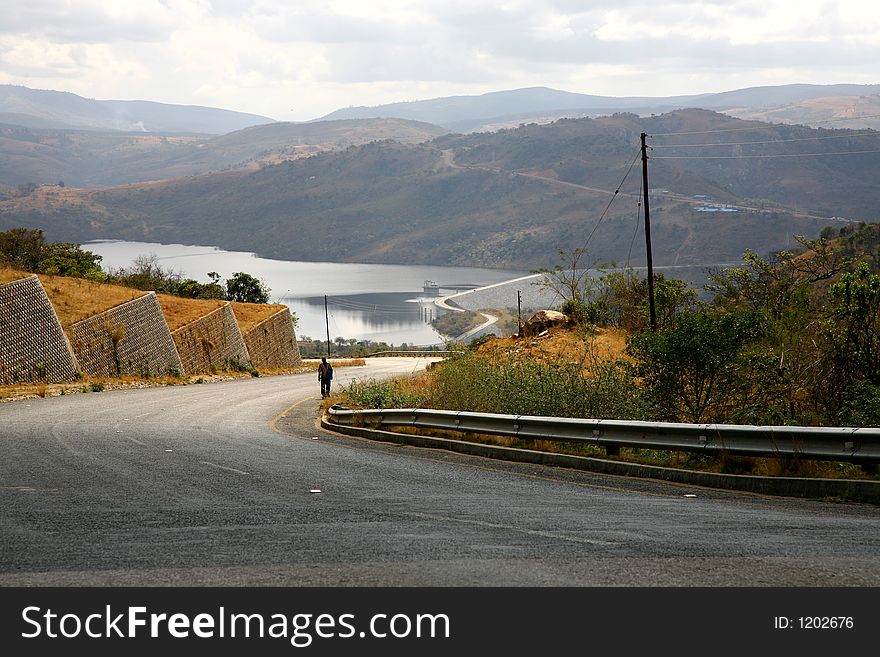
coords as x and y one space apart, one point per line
738 157
364 305
636 229
710 132
872 133
613 196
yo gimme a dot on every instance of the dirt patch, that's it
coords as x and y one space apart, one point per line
559 342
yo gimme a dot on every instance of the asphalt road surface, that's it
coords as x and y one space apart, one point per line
232 484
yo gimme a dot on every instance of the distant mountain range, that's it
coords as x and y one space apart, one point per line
511 198
437 181
91 158
835 105
39 108
787 103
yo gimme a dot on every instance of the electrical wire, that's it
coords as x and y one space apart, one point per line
365 306
613 196
354 302
636 229
709 132
738 157
872 133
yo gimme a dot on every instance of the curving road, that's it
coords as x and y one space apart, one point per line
215 485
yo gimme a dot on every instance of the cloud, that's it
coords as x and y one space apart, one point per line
268 56
94 21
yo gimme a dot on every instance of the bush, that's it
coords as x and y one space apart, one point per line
247 288
861 406
701 370
514 386
28 250
381 394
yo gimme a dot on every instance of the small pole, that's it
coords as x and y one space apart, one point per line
327 321
652 312
519 312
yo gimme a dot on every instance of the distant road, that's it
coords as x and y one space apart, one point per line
217 485
488 317
448 160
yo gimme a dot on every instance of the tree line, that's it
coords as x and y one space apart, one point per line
30 251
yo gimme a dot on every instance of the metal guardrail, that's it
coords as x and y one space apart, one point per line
857 445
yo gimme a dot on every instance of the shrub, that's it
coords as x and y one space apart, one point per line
514 386
700 369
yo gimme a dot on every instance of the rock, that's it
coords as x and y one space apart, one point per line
542 321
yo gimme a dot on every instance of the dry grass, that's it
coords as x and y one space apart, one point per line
180 312
76 299
249 315
7 274
575 346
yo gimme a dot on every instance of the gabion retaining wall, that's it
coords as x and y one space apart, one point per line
33 347
132 338
272 342
213 341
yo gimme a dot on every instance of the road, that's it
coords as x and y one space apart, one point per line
447 159
217 484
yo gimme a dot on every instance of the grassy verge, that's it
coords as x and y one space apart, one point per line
512 384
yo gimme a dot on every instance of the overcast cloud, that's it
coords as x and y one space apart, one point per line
300 60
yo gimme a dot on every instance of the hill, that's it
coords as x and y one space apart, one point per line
100 159
502 109
506 199
861 111
126 115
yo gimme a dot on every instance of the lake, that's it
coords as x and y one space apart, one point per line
383 303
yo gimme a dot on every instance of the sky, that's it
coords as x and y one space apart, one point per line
293 60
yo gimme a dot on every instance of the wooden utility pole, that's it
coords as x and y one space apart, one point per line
519 312
327 321
652 312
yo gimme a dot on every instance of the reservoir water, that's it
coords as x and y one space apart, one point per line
383 303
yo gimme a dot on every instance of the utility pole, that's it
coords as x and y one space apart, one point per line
519 312
652 312
327 321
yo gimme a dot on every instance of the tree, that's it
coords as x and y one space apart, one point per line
247 288
700 370
774 284
28 250
146 273
66 259
623 297
854 329
194 290
571 279
22 248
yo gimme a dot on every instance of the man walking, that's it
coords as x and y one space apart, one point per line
325 375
